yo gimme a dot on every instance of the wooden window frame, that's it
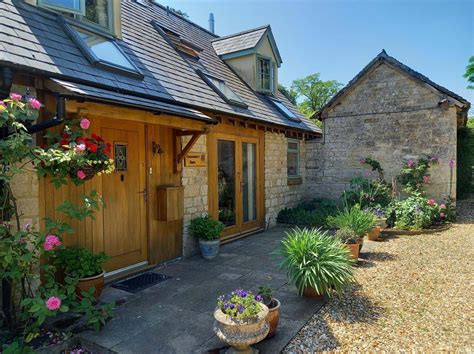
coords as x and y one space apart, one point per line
259 80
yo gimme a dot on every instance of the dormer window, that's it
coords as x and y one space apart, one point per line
284 110
222 89
101 50
95 13
264 74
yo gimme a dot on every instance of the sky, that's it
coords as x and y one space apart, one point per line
337 38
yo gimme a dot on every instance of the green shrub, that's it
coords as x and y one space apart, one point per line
347 236
465 160
314 259
205 228
367 193
80 263
308 214
357 220
413 213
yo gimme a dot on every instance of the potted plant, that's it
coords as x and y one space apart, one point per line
350 239
273 305
241 320
84 267
315 262
356 219
208 232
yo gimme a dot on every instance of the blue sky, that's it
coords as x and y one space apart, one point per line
338 38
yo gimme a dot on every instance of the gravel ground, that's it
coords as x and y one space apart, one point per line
413 293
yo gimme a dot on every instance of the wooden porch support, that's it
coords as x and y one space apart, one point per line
195 134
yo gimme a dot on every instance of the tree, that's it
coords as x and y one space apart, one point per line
314 92
470 73
288 93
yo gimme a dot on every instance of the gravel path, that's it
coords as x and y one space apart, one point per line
413 293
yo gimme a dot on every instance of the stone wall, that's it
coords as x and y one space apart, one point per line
278 194
25 187
195 182
389 117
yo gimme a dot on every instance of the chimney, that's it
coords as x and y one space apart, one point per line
211 22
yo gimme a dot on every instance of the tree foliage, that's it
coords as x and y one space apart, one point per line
290 94
470 73
314 93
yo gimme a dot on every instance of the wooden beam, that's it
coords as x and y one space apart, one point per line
187 148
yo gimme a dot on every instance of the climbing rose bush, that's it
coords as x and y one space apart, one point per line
414 175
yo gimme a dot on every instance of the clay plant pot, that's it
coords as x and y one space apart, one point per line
382 222
85 284
374 234
312 294
355 249
240 334
361 243
209 249
273 317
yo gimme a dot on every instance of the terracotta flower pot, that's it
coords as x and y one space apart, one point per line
241 333
354 248
84 284
374 234
273 317
382 222
312 293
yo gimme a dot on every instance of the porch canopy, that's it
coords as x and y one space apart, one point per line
81 91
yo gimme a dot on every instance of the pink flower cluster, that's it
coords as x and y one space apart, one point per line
85 123
431 202
53 303
15 96
51 242
80 174
410 163
426 179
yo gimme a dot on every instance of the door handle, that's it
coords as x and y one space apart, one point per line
145 194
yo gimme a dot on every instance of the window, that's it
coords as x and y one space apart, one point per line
178 43
293 160
264 74
101 50
71 6
285 110
221 88
95 13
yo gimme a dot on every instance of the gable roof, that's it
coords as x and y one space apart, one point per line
243 42
384 57
32 40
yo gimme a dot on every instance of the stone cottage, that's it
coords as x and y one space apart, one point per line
391 113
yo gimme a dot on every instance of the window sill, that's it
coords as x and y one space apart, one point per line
293 181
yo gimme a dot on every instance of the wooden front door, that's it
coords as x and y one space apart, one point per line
124 192
235 177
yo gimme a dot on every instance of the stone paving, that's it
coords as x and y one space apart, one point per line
176 316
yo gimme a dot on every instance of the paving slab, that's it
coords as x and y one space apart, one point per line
176 316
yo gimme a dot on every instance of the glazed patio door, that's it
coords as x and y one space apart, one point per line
235 176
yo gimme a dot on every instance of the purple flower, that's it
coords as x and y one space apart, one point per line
434 159
240 308
410 163
241 293
451 164
259 298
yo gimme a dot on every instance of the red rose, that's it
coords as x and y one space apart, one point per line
80 140
91 147
65 135
63 142
108 149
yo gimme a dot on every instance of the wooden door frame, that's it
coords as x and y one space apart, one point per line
238 135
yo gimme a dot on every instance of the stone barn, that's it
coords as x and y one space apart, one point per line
391 113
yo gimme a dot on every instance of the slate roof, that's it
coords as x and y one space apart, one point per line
383 56
31 39
239 41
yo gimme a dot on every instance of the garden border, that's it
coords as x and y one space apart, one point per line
394 232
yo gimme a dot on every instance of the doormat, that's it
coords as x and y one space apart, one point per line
140 282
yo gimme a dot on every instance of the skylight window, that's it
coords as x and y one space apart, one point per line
71 6
222 89
178 43
285 110
101 51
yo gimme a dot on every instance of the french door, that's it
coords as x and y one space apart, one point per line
234 183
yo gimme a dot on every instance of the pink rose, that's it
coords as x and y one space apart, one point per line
79 148
410 163
34 103
3 106
53 303
85 123
431 202
81 174
443 206
442 215
15 96
51 242
426 179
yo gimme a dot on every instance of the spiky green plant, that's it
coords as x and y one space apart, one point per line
313 259
355 218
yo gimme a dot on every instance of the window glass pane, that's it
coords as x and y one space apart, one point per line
293 159
265 74
224 89
292 145
120 154
284 109
226 181
104 49
98 11
74 5
249 181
